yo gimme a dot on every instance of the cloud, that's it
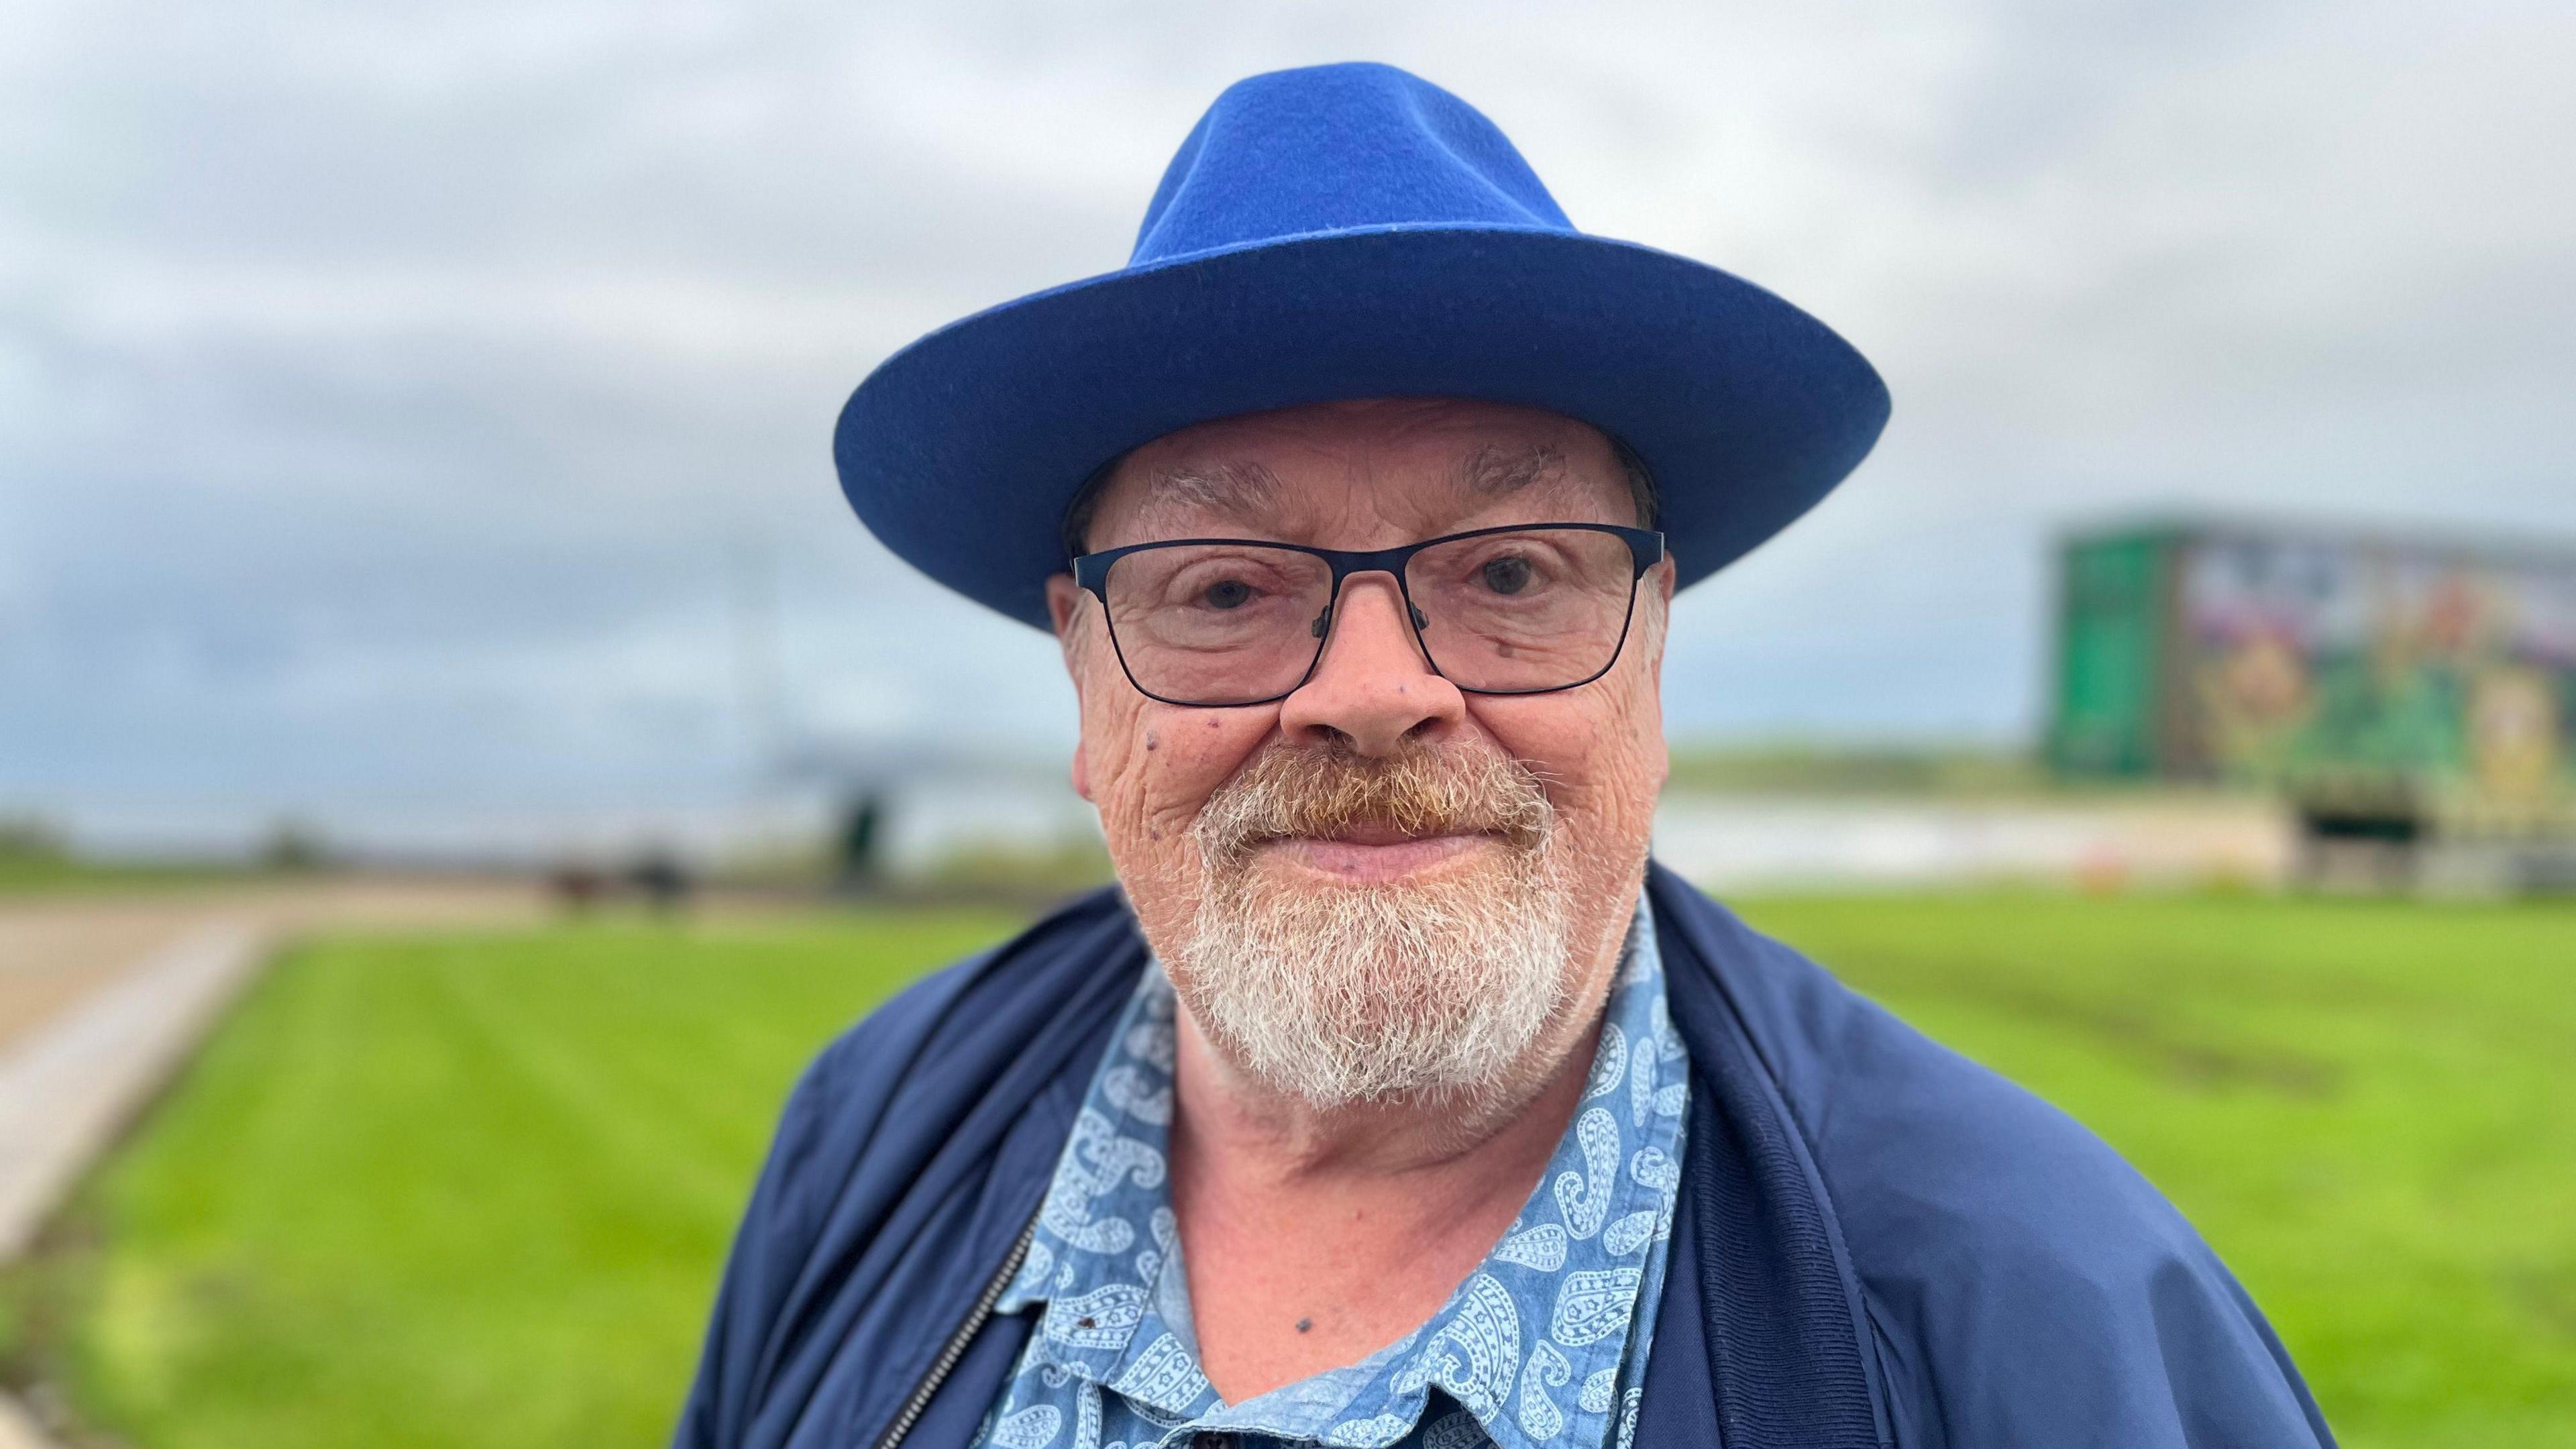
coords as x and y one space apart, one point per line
393 392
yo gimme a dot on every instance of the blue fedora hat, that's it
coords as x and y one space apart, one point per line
1350 231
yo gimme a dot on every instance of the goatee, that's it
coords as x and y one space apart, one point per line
1348 993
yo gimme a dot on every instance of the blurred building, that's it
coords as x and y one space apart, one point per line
2414 699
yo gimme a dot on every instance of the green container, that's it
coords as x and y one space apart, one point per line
2325 664
2114 596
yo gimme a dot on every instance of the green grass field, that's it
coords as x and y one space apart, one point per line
2368 1107
474 1190
462 1191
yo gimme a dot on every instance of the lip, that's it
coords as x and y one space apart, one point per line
1371 855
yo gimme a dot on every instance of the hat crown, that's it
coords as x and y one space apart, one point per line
1337 148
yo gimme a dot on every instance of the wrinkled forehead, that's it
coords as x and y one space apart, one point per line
1360 475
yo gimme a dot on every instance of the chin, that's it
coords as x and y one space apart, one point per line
1440 980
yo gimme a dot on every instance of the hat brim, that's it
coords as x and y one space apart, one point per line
962 451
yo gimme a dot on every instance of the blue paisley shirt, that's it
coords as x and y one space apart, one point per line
1544 1344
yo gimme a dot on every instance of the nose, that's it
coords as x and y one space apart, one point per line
1373 688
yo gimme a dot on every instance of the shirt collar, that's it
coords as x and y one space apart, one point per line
1530 1344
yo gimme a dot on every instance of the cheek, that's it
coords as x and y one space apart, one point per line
1154 766
1602 750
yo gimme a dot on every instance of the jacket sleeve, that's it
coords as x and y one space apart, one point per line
1995 1337
2021 1284
2024 1285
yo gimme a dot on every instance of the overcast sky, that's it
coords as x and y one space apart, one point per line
419 413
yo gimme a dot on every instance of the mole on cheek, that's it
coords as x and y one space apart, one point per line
1152 741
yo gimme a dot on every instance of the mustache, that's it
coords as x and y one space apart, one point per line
1325 790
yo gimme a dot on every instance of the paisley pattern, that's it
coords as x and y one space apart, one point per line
1599 1391
1086 1422
1541 1247
1456 1429
1097 1162
1592 1305
1641 1088
1609 1064
1629 1233
1547 1370
1101 1318
1167 1372
1543 1345
1130 1092
1584 1197
1474 1350
1029 1428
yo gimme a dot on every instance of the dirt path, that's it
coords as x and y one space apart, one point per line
58 950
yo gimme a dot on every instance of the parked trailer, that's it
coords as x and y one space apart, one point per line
2411 695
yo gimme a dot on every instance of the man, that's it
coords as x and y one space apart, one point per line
1398 1100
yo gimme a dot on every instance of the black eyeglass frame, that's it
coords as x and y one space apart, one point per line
1091 575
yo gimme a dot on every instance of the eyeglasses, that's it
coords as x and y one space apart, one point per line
1215 622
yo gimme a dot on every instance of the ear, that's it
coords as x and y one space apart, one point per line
1660 581
1064 597
1665 573
1064 605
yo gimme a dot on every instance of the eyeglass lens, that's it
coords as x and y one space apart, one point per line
1233 623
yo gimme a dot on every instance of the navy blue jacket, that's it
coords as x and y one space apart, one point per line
1877 1242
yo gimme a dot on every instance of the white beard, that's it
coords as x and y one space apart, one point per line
1342 995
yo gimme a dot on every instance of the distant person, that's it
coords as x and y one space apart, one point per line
862 843
660 879
577 886
1398 1099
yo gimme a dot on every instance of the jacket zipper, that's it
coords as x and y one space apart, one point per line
955 1349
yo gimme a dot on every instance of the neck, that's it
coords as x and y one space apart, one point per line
1313 1238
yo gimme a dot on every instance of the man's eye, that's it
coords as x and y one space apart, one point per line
1507 575
1231 594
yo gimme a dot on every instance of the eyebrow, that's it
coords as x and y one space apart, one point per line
1496 472
1247 489
1237 488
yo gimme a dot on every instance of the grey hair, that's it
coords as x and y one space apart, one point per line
1086 499
1641 482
